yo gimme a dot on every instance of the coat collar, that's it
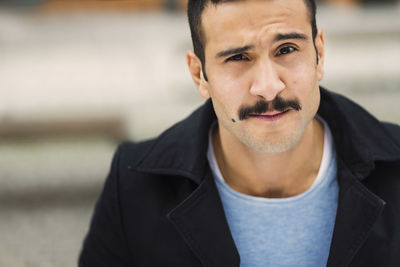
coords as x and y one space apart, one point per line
201 222
182 149
360 140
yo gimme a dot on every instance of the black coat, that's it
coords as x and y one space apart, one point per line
160 206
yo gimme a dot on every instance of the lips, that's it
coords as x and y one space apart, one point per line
270 116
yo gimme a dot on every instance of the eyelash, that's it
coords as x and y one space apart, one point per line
279 53
234 58
293 49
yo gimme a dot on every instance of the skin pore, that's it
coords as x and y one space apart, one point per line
261 50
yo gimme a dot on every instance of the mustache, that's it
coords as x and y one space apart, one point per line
262 106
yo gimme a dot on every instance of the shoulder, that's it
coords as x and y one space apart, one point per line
393 130
129 154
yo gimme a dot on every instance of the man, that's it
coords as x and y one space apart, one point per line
271 171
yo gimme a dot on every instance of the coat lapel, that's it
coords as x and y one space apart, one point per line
201 222
358 210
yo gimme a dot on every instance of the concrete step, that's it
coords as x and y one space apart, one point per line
43 172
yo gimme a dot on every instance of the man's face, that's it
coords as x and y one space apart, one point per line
261 52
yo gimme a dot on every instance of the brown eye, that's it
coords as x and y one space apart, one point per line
238 57
286 50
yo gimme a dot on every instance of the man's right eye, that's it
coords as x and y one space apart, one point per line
238 57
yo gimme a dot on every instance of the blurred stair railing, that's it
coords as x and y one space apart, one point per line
112 127
114 4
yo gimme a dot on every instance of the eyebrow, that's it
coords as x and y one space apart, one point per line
288 36
233 51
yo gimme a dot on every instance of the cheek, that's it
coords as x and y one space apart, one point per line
316 99
303 79
227 98
229 88
305 88
303 65
311 100
224 110
304 73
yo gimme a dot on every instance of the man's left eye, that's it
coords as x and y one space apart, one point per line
286 50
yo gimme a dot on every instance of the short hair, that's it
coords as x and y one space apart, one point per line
195 9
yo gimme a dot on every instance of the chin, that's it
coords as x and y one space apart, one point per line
269 147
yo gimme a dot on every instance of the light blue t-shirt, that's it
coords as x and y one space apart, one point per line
294 231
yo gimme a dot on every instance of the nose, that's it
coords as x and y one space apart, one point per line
267 83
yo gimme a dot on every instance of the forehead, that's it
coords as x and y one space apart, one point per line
232 21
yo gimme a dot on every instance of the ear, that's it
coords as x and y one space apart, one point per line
196 70
320 45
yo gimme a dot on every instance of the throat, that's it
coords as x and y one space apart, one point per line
268 187
271 176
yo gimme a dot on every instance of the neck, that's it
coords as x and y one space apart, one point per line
277 175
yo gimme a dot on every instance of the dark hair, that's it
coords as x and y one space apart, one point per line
195 9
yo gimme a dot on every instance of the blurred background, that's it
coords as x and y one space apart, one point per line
79 76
